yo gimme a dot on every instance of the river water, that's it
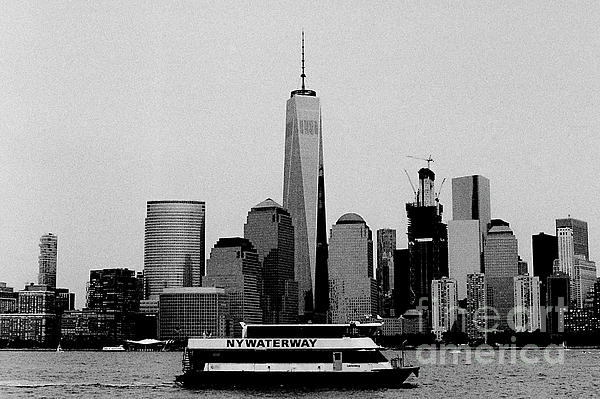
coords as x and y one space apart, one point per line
444 373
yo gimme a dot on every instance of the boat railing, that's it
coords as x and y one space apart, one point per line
185 361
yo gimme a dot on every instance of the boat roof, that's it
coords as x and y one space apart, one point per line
353 329
228 344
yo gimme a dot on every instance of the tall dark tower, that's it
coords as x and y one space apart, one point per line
427 239
304 195
545 252
321 271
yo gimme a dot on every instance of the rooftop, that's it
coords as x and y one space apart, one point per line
350 218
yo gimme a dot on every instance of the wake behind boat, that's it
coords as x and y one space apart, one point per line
304 355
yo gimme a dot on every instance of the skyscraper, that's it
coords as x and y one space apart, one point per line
464 252
527 303
468 227
269 228
402 294
427 239
558 296
234 266
444 305
115 293
476 303
501 266
47 260
545 251
173 245
579 229
471 201
304 194
582 279
386 245
114 290
353 290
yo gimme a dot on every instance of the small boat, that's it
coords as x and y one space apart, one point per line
299 355
58 348
119 348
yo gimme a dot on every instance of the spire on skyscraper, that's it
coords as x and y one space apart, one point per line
303 91
303 75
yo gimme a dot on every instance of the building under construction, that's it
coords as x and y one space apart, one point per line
427 240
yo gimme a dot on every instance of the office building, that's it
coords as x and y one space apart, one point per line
36 298
427 240
444 306
234 266
470 201
47 260
353 290
34 321
545 252
476 304
582 279
527 304
8 298
579 230
522 267
173 245
115 291
194 312
402 293
464 252
386 245
269 229
64 299
558 294
304 195
501 266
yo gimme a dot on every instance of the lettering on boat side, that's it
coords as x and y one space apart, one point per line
272 343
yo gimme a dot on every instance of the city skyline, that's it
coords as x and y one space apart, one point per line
83 156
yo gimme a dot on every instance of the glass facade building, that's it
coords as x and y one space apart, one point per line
193 312
386 245
269 229
234 266
173 245
47 260
353 290
501 266
304 196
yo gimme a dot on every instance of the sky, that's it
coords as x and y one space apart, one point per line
106 105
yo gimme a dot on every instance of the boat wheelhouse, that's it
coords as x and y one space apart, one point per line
293 355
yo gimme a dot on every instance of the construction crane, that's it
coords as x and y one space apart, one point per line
428 160
411 184
437 196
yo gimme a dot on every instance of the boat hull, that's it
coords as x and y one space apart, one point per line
388 378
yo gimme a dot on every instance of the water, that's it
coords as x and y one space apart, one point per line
444 373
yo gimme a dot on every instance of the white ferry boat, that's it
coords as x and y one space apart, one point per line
308 355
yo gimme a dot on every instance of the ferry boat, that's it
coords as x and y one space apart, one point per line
302 355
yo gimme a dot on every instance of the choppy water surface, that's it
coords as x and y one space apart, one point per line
444 373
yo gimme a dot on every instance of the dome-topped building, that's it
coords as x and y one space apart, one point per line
353 290
350 218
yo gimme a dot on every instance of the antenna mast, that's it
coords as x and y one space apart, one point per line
303 75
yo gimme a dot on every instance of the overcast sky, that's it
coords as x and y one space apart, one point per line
105 105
